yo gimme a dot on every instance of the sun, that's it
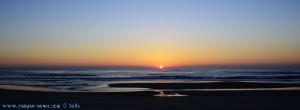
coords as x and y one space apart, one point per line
161 67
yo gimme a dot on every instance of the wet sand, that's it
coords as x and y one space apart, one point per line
205 85
273 99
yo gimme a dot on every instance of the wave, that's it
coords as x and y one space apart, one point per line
83 79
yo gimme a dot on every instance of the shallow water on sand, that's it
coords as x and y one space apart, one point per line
93 80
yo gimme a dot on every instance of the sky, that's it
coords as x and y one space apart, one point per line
149 32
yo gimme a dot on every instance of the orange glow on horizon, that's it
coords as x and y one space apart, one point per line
146 55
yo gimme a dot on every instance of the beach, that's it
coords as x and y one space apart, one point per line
275 98
150 55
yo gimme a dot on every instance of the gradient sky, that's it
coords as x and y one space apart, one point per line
149 32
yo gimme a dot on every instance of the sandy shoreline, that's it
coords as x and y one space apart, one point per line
204 85
145 100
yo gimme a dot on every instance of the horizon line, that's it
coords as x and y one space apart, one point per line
150 67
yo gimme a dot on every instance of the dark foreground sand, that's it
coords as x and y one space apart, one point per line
144 100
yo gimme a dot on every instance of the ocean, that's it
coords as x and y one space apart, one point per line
97 79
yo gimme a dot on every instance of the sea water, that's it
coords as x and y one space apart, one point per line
95 79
